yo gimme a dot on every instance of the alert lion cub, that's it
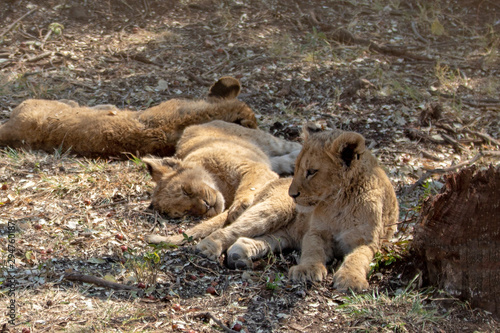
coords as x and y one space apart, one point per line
339 203
217 165
108 131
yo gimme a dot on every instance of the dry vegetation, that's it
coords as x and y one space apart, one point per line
419 79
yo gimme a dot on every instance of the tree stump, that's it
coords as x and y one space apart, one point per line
458 237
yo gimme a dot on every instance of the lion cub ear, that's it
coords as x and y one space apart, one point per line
158 167
348 146
226 88
308 129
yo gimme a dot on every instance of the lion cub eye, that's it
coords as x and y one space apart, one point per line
311 172
186 191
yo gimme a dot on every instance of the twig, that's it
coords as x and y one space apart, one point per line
97 281
146 6
217 321
419 36
204 268
430 156
493 3
355 86
446 127
486 153
110 204
126 4
345 37
472 102
483 136
40 56
298 328
10 27
137 57
6 63
198 79
216 67
415 134
141 58
456 145
46 38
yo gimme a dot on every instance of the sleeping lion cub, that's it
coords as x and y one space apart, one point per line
108 131
339 203
217 165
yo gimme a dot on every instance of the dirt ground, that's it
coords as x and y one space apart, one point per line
419 79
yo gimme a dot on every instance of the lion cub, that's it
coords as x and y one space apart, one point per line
217 165
340 204
107 131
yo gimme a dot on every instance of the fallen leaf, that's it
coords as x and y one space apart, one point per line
96 261
437 28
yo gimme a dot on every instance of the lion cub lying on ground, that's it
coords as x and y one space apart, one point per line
340 203
49 125
217 165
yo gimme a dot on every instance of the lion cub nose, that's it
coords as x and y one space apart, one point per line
294 195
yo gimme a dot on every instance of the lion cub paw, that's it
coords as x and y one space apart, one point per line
157 239
345 280
209 248
237 261
309 272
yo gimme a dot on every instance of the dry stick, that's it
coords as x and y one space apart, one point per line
217 321
469 101
204 268
415 31
40 56
126 4
345 37
46 38
110 204
493 3
9 28
483 136
486 153
430 156
97 281
141 58
456 145
198 79
415 134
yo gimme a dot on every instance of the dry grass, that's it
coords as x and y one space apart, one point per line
69 210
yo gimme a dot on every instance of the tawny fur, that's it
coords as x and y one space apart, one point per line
343 205
217 165
108 131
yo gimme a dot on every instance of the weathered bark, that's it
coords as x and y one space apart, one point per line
458 237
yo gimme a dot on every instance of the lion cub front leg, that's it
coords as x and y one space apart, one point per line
315 252
250 184
260 219
239 205
242 253
199 231
352 273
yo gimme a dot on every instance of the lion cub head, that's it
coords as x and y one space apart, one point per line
329 162
183 188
